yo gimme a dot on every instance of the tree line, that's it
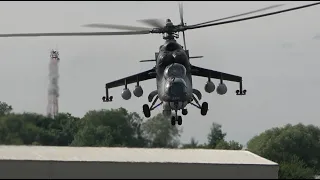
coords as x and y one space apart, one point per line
295 147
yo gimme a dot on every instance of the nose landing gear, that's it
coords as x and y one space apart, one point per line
176 118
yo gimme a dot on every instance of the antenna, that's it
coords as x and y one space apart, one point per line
53 89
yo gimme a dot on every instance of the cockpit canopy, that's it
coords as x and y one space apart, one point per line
175 70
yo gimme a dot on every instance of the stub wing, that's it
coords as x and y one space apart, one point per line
146 75
202 72
208 73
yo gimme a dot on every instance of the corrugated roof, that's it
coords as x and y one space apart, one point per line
108 154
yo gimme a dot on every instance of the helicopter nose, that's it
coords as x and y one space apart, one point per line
176 88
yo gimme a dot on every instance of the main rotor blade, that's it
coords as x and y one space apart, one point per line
242 14
181 13
157 23
182 24
248 18
194 57
114 26
75 34
149 60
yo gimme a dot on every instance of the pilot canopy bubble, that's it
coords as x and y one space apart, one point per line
175 71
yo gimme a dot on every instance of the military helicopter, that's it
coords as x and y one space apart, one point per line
173 71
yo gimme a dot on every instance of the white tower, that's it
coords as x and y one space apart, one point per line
53 90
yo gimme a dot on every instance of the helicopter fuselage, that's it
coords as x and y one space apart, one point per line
174 80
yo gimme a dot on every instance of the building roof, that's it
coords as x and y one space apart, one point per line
150 155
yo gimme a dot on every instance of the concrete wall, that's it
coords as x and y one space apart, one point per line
95 170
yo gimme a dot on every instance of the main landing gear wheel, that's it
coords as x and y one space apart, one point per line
184 112
179 120
146 110
173 120
204 108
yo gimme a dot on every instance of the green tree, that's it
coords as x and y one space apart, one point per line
284 144
160 133
295 169
136 124
215 136
215 140
115 127
58 131
90 135
15 129
231 145
4 108
222 145
192 144
32 128
10 129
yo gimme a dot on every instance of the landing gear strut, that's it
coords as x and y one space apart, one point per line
176 118
203 108
147 110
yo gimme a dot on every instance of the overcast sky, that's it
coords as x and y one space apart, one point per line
277 56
